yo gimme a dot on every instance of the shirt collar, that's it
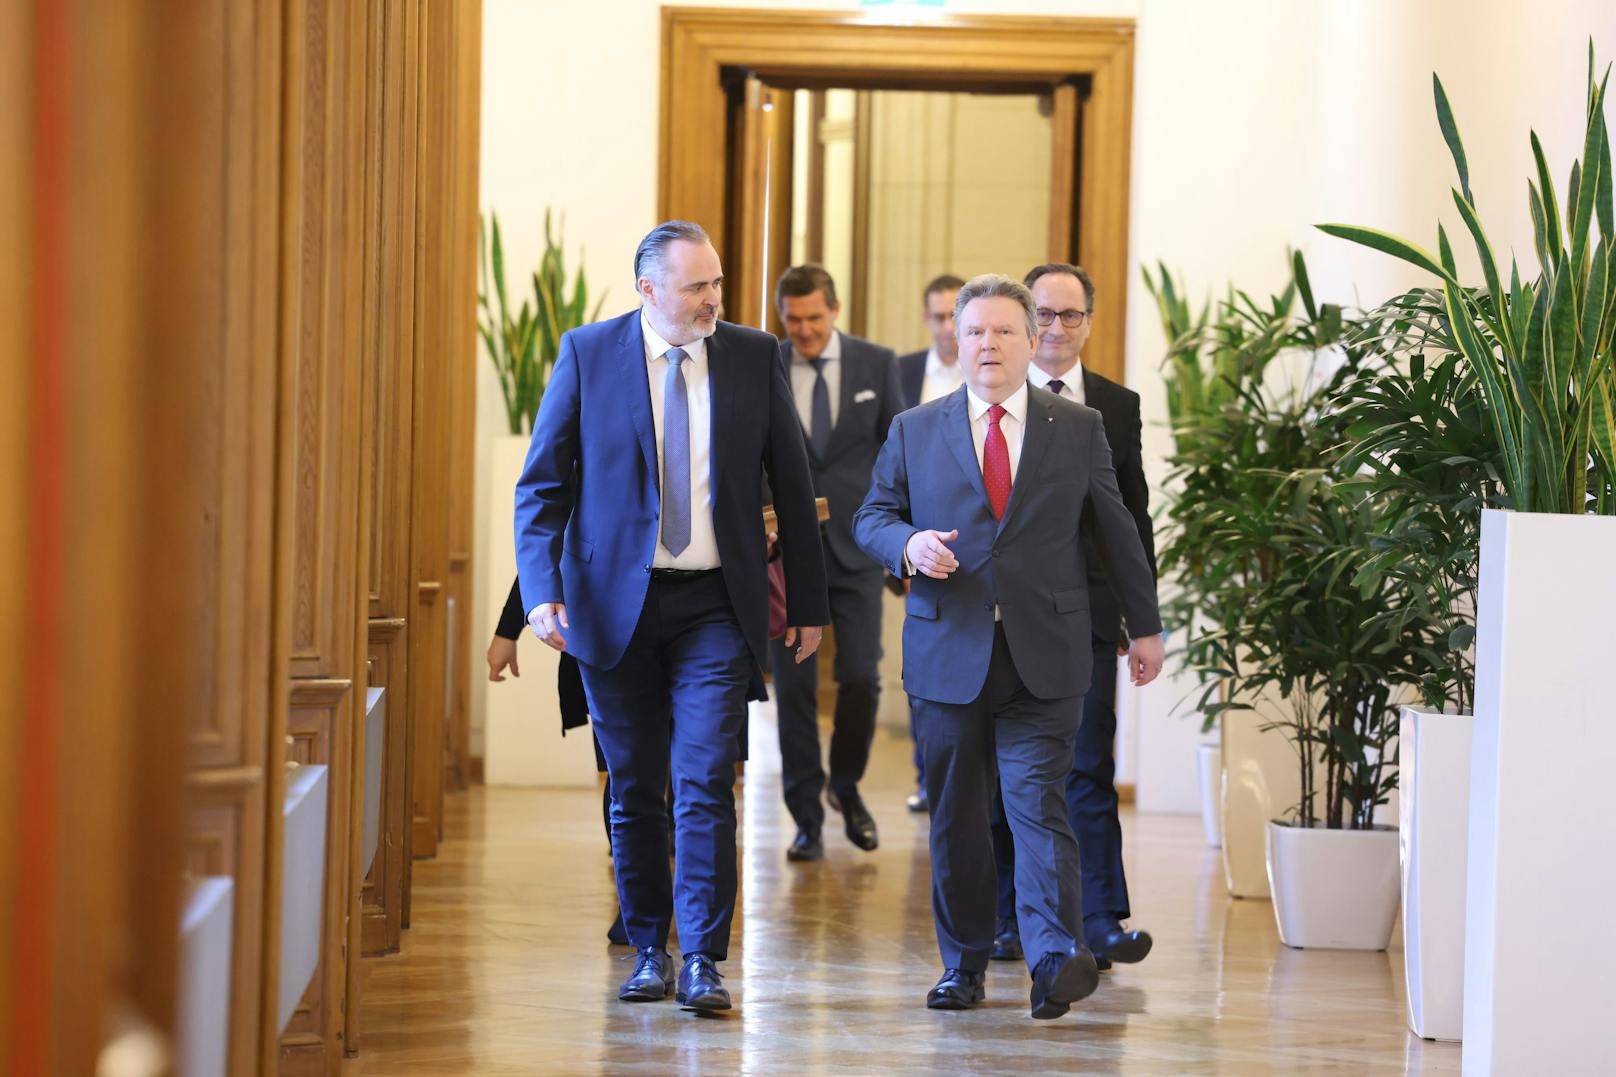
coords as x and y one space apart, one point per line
1016 406
1072 378
935 367
831 354
656 347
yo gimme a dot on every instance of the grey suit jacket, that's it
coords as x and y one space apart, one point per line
869 399
1031 564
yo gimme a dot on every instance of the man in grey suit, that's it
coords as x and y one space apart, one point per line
846 392
985 498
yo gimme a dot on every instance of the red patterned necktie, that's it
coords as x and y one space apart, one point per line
996 464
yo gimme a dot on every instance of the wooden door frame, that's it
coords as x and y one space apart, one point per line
866 50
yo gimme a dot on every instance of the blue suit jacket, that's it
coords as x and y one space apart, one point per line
912 376
1031 563
588 507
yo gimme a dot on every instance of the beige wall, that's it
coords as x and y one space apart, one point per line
1253 119
943 201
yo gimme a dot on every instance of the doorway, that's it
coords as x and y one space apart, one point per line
893 152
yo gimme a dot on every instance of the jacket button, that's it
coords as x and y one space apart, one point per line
988 606
996 553
647 568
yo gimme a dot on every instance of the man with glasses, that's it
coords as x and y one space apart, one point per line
1064 299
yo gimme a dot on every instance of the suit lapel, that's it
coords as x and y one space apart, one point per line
637 391
957 434
721 394
851 383
1034 443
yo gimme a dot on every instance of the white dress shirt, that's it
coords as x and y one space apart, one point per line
941 378
703 549
1012 424
1071 381
802 381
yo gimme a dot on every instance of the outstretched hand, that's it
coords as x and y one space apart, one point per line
928 552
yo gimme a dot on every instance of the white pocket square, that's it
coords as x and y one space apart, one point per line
862 395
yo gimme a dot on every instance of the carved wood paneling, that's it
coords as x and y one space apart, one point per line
383 888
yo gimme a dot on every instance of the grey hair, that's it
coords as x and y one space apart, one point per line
651 254
997 286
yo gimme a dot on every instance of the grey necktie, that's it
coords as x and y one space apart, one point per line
819 426
675 456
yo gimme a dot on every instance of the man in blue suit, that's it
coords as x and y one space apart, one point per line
984 498
640 549
846 390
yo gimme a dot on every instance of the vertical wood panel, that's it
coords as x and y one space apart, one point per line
1063 121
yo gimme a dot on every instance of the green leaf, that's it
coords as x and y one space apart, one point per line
1450 134
1550 208
1387 243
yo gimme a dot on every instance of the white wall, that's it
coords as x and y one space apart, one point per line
1253 120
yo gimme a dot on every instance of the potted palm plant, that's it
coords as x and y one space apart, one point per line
1539 870
1240 412
1415 430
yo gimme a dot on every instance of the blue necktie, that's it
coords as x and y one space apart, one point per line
819 424
675 457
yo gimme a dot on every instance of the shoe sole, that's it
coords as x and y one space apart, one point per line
803 858
705 1004
644 994
1075 982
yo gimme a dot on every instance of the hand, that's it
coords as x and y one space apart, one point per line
1145 657
502 655
773 541
547 620
809 638
928 552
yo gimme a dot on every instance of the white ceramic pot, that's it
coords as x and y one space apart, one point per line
1333 889
1540 937
1434 829
1209 760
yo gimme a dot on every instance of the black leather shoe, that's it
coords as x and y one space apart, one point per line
957 990
1007 943
1112 944
617 934
700 986
918 802
652 978
806 846
860 825
1060 980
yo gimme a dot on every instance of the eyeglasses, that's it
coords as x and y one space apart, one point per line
1071 319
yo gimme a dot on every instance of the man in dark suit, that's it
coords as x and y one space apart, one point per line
846 393
1064 295
984 498
640 546
927 375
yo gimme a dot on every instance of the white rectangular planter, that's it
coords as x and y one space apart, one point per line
1209 763
1333 889
1540 934
308 791
522 742
207 941
1435 824
1261 781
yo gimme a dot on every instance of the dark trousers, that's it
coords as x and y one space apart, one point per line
674 705
1091 803
1030 739
855 614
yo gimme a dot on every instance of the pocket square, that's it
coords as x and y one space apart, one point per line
862 395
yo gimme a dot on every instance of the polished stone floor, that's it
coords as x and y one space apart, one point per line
506 969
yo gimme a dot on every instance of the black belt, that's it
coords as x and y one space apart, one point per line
681 575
